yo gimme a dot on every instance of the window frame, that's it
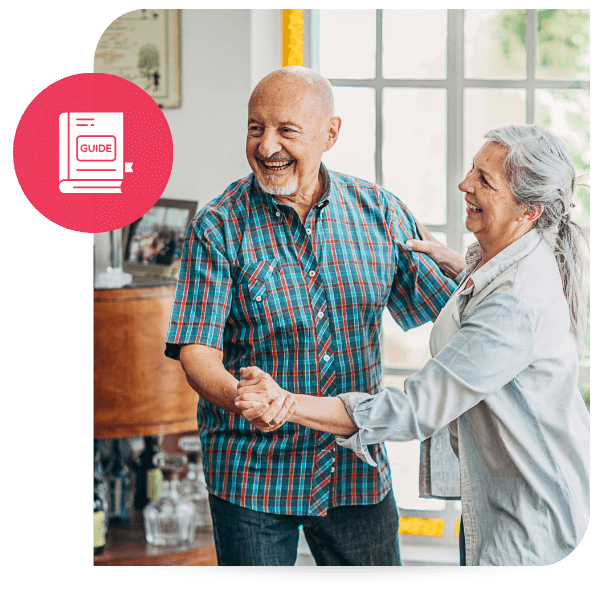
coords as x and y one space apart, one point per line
454 84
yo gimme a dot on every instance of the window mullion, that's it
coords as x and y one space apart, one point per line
378 97
455 118
531 62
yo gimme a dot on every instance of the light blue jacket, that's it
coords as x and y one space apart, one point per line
503 383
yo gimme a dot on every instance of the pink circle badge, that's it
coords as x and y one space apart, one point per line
93 152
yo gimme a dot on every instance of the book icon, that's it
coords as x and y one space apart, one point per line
91 158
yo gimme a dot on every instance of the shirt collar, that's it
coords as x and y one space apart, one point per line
328 191
499 263
327 187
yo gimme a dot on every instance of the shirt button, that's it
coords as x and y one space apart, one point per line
312 273
278 214
320 315
326 358
308 230
270 268
258 298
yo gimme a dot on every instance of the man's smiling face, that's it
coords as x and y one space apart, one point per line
287 135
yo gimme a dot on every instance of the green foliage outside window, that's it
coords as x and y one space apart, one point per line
563 48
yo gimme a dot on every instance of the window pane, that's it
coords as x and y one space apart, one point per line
414 150
487 109
420 35
394 381
495 44
442 238
347 44
567 114
354 151
564 44
467 240
406 349
404 466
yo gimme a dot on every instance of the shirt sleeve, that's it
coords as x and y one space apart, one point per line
493 345
203 293
420 289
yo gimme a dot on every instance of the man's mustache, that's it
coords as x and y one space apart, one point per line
273 158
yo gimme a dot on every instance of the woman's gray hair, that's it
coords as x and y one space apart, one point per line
539 170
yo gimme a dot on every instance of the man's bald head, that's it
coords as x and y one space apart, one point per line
306 81
290 124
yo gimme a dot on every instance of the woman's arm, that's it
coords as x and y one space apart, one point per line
494 344
323 414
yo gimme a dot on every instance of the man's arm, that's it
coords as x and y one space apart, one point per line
206 375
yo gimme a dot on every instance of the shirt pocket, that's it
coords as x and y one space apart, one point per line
257 277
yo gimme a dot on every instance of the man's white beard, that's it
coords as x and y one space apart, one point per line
279 190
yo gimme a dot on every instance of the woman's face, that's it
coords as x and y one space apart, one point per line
492 211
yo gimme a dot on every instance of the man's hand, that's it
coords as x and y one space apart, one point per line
452 263
262 401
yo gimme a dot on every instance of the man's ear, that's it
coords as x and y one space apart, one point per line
333 131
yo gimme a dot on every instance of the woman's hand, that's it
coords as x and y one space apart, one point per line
452 263
262 402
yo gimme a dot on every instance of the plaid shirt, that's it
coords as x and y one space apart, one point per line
303 302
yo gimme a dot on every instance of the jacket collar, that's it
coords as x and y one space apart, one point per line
499 263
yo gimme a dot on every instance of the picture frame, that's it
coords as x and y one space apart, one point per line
144 47
153 243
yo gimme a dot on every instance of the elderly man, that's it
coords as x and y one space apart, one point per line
290 270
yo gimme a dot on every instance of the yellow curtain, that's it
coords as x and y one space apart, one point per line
292 26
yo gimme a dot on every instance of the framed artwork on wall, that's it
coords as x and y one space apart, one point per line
144 47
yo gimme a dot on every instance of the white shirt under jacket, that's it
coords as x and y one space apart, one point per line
504 378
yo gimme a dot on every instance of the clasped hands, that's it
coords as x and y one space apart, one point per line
262 402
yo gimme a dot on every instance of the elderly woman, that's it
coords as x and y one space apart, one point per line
503 377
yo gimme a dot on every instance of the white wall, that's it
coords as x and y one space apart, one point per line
266 43
224 54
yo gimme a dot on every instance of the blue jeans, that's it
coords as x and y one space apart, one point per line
360 535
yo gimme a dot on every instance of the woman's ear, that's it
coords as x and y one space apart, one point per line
533 212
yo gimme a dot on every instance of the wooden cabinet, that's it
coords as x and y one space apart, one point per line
138 391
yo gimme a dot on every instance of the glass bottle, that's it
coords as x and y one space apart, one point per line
171 519
148 480
100 485
108 260
193 487
119 483
100 510
100 504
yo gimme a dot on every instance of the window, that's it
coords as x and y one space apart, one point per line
416 91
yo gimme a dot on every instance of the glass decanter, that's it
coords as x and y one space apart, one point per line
171 519
193 488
